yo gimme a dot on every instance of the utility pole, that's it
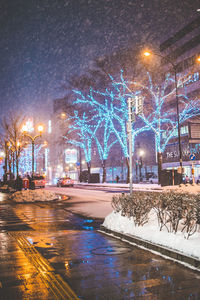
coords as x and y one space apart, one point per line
135 107
130 144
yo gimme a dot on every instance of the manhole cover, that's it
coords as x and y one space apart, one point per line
110 250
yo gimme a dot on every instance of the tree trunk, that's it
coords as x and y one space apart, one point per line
159 158
89 168
128 170
17 165
104 170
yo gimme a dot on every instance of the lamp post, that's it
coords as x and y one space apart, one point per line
147 53
32 138
130 145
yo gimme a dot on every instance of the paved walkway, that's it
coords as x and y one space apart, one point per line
44 243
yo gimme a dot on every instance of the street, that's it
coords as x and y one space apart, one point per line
48 252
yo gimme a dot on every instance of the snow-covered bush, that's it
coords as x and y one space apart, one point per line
191 215
33 196
137 205
170 208
175 211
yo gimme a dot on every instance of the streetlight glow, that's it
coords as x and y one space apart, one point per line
147 53
141 153
24 128
198 59
63 115
2 154
40 128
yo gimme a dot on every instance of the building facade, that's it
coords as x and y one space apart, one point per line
183 49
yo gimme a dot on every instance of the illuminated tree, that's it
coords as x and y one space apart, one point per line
84 130
25 160
12 143
105 140
159 113
111 106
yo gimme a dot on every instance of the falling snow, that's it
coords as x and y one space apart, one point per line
46 42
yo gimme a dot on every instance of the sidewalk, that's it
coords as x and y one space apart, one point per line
160 250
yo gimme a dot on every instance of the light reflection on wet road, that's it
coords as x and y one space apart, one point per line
95 266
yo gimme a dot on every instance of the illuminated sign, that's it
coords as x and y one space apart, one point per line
71 156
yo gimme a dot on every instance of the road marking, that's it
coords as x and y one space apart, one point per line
53 281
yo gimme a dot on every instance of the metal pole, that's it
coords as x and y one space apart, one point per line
32 157
178 121
6 162
80 160
130 146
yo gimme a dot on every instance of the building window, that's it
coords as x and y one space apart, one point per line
195 131
184 131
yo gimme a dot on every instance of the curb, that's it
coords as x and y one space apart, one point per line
181 258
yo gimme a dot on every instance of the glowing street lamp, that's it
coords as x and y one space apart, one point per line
63 115
2 155
32 138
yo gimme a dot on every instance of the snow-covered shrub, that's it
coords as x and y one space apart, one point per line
175 211
170 208
191 216
137 205
160 207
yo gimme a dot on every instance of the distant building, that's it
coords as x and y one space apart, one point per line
182 49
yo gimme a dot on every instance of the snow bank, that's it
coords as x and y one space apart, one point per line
32 196
183 188
151 233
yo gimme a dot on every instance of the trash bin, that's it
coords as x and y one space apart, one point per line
25 183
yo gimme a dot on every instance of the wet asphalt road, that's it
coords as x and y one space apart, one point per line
46 252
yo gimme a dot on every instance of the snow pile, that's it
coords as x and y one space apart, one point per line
151 233
183 188
33 196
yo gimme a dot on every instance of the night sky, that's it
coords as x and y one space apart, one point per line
45 42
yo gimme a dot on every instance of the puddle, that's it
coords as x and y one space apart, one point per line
111 250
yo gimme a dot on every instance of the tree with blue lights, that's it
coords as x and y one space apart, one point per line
111 106
25 160
105 140
81 125
159 113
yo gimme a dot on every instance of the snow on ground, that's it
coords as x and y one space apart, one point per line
184 188
32 196
151 232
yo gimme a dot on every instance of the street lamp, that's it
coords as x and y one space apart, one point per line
147 54
32 138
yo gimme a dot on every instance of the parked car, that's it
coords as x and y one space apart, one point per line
65 181
153 179
37 182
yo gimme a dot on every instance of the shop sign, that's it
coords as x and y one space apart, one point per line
71 156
